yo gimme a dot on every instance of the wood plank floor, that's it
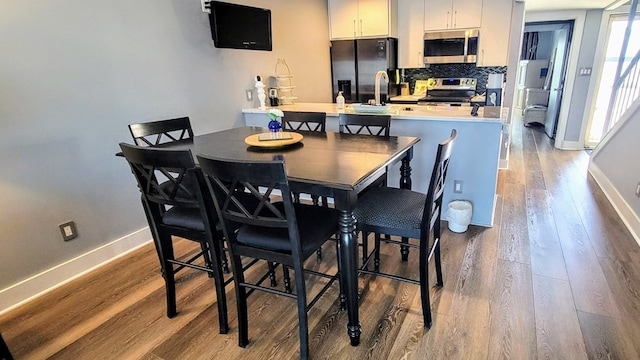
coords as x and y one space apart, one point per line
557 277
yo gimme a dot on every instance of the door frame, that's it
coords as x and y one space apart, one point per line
598 65
556 26
578 16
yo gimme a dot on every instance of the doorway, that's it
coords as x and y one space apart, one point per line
613 46
550 41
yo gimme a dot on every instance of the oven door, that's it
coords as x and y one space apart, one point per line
444 47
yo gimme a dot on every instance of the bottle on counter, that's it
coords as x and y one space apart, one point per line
340 100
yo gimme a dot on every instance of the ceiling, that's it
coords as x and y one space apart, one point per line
545 5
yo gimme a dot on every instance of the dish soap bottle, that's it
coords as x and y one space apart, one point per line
340 100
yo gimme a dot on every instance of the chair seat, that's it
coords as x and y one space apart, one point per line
398 210
189 218
315 224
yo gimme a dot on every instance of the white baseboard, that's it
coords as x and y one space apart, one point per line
39 284
629 218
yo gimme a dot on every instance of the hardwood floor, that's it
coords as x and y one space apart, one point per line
557 277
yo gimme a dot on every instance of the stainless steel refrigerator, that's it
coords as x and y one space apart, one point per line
354 64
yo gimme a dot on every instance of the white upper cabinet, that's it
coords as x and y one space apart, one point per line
349 19
493 44
452 14
410 33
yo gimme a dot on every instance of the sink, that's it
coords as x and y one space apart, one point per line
371 109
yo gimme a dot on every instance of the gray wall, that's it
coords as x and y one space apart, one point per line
578 112
74 73
613 158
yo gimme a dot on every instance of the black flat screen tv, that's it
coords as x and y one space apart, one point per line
236 26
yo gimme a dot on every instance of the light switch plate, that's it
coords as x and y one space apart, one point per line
68 230
206 7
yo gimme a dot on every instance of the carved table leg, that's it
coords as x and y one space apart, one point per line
349 249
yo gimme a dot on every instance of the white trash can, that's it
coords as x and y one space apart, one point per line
459 215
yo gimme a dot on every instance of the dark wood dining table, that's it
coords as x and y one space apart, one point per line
325 164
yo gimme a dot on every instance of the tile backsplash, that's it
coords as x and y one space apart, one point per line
454 70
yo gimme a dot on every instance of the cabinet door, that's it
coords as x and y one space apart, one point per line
410 33
468 13
437 14
343 19
373 18
493 41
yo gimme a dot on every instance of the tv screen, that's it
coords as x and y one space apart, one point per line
240 27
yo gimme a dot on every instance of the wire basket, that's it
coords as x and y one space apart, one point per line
284 81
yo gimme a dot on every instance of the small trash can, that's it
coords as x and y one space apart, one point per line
459 215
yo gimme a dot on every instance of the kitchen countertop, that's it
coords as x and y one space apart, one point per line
397 111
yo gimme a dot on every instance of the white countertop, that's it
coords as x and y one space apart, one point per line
397 111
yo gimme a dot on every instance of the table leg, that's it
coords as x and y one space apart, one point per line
405 172
405 183
349 269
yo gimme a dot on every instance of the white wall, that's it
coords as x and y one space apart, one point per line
74 73
617 172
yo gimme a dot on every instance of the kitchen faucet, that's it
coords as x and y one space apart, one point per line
379 74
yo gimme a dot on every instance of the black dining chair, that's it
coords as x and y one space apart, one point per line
304 121
162 131
379 125
5 354
414 215
281 232
176 206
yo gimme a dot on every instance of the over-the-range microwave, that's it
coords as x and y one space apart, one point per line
451 46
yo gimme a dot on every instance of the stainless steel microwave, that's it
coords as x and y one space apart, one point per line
451 46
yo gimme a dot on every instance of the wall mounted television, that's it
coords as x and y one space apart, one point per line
236 26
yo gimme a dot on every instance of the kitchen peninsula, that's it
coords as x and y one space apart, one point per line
475 158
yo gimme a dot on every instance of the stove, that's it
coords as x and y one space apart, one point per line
452 91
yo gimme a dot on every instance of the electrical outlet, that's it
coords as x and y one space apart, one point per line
206 6
457 186
68 231
638 190
249 94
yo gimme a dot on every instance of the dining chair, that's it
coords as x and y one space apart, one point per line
161 131
5 354
379 125
280 232
413 215
304 121
307 121
176 206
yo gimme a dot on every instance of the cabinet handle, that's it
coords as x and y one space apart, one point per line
448 14
420 59
360 27
354 28
455 18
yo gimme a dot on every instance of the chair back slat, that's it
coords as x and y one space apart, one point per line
162 131
378 125
435 192
165 177
304 121
237 183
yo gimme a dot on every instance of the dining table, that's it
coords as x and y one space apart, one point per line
330 164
